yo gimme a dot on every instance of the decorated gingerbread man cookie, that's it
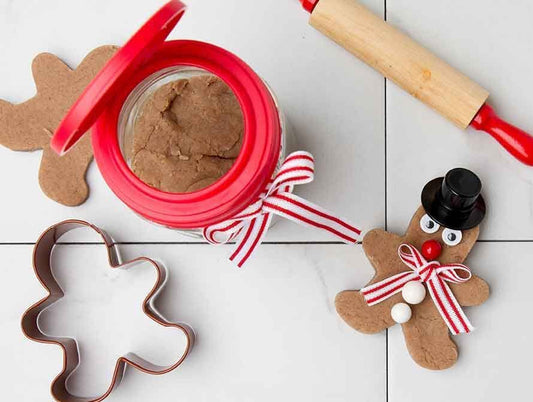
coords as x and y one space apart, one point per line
29 126
421 282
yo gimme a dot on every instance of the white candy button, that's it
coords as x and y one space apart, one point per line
414 292
401 313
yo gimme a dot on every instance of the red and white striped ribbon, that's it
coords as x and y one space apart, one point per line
278 199
435 276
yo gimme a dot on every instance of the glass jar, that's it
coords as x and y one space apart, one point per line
134 105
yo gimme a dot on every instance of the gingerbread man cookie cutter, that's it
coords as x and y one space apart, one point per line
43 270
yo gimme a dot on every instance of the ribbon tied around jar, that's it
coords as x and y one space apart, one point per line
251 225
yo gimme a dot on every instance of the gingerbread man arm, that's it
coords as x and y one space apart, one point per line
71 189
472 293
352 308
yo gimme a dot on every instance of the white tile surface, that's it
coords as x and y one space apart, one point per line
336 108
493 360
270 333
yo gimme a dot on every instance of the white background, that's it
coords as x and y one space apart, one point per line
270 332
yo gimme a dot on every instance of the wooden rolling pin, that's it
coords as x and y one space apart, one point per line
415 69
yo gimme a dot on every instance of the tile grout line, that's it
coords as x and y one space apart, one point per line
385 126
505 241
178 243
266 243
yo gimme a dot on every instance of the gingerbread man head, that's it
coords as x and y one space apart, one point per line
420 279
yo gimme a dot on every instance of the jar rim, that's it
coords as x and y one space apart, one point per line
248 176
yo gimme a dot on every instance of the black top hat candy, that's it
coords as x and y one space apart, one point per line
455 201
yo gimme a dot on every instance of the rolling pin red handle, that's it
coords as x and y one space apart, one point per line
309 5
516 141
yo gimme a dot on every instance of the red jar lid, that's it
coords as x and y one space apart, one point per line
144 55
90 105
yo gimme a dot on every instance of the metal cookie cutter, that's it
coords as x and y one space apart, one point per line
43 270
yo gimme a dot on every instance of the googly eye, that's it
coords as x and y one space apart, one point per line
428 225
452 237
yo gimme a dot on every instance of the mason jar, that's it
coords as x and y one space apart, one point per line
113 100
135 104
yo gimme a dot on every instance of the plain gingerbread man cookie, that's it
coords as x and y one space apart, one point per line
29 126
426 334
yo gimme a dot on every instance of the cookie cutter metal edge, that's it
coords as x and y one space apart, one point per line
42 254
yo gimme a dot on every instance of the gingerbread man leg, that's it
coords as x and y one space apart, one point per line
428 338
71 188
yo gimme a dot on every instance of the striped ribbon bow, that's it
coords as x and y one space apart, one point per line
435 276
278 199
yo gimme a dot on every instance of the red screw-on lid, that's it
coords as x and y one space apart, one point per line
93 100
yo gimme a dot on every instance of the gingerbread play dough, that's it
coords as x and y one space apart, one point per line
29 126
431 253
188 134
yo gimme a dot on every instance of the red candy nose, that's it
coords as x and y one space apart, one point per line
431 250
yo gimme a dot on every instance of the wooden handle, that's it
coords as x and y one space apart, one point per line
400 59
